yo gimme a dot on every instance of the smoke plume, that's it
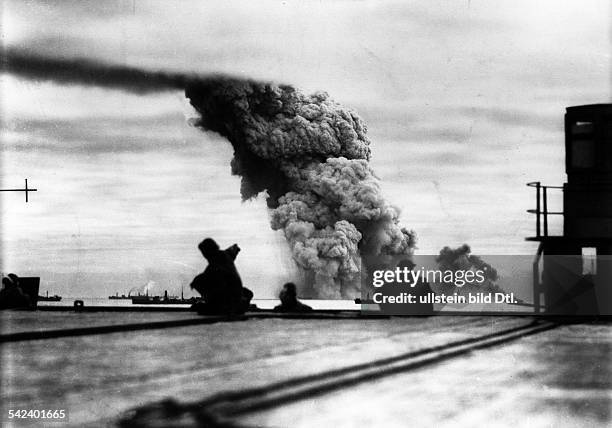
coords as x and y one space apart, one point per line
310 155
307 152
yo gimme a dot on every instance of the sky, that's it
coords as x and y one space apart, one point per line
464 102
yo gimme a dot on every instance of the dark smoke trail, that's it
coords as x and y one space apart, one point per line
308 153
93 73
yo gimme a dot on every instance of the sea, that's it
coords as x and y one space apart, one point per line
316 304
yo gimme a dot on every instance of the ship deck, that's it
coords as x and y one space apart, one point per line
341 369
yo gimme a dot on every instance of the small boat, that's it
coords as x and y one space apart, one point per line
47 298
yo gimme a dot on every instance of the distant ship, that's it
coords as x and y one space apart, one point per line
165 300
47 298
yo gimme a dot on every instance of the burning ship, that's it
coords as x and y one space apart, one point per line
47 298
165 300
122 297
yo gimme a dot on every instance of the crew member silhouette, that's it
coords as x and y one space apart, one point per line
11 295
289 301
220 284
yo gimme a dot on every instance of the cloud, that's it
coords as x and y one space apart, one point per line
444 19
102 134
422 74
504 117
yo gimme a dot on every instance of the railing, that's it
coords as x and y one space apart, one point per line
541 210
537 285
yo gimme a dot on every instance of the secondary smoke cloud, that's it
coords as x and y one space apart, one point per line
307 152
461 259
